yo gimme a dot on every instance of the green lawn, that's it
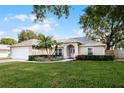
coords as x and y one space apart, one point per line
70 74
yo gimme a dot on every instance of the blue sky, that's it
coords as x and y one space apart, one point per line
13 19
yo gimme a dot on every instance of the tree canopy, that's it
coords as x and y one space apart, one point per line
26 35
8 41
104 23
120 45
59 10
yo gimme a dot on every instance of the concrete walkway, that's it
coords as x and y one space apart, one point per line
119 60
12 60
64 60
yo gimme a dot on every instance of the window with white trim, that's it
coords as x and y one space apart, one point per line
59 52
90 51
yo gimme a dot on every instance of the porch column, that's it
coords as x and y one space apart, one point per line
65 52
76 49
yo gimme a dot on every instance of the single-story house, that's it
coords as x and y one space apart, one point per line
4 51
70 48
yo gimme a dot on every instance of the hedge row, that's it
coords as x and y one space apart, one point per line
34 57
95 57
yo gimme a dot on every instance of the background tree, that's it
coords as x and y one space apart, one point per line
26 35
104 23
120 45
8 41
59 10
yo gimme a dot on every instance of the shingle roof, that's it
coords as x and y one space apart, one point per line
4 47
27 43
81 40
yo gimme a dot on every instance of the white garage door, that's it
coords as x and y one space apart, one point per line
4 53
21 53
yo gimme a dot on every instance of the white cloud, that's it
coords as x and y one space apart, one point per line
5 19
17 30
37 27
56 36
44 27
41 27
2 33
56 24
32 17
21 17
81 33
47 25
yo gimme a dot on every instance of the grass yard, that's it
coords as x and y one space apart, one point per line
67 75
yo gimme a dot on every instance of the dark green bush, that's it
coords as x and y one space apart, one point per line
42 57
95 57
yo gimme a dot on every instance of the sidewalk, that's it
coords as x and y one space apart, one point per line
64 60
12 60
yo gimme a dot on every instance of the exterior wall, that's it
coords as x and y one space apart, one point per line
97 50
79 50
41 52
119 54
24 52
38 52
4 53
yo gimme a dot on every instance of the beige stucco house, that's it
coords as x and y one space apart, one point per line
70 48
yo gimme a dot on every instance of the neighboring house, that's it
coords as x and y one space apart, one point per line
69 49
4 50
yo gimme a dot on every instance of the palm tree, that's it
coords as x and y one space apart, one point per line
47 43
56 44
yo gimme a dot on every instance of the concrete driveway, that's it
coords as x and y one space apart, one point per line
10 60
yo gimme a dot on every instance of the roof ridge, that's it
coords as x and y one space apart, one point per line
76 37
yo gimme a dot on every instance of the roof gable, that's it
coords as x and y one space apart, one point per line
27 43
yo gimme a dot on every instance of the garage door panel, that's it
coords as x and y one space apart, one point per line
20 53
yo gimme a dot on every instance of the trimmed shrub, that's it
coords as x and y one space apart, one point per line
41 59
95 57
44 57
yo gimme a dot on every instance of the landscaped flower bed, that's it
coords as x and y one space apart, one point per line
95 57
45 57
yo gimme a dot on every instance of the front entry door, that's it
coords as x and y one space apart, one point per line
71 52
